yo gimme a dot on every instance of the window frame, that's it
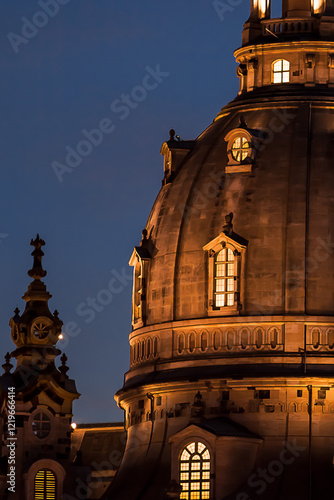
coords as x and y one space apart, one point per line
140 261
182 471
212 249
281 72
245 164
45 492
49 437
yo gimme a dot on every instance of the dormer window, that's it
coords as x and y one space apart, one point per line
140 260
174 151
226 259
281 71
241 147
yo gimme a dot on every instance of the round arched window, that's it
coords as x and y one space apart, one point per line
41 425
45 485
240 148
195 472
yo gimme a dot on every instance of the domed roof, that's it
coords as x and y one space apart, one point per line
283 207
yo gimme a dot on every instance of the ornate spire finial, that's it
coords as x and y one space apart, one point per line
7 366
63 368
37 272
242 123
228 226
144 238
172 135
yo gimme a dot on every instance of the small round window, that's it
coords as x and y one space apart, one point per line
40 330
240 149
41 425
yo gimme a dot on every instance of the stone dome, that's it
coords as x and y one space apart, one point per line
233 293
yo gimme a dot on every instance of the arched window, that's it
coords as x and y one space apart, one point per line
224 278
195 472
45 485
281 71
240 148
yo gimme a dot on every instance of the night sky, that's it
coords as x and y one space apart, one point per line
175 61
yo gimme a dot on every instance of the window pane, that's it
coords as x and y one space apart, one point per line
206 455
230 269
220 285
185 455
286 65
220 269
230 285
286 77
221 255
278 65
277 78
191 447
200 447
230 299
220 300
195 486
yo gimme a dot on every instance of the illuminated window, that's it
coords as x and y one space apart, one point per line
195 472
240 149
41 425
224 278
45 485
281 71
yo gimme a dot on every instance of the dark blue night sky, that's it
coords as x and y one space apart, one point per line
75 73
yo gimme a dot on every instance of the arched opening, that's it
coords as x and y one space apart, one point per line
155 347
194 470
258 338
180 342
316 338
45 485
148 347
204 341
244 339
192 342
273 338
331 338
230 340
216 340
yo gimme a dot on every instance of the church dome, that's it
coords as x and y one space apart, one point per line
233 296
